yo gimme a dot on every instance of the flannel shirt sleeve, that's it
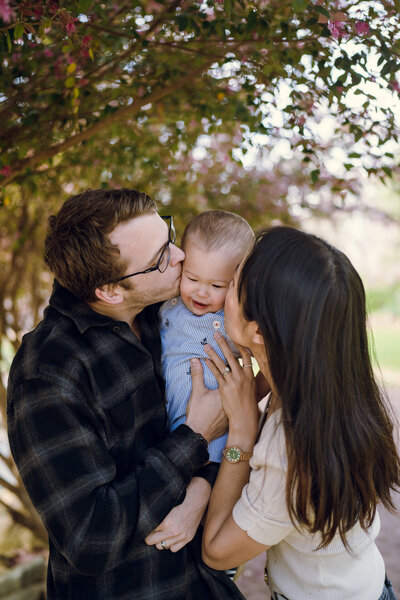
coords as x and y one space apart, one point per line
208 472
95 518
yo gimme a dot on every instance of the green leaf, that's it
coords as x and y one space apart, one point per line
228 8
315 175
9 43
354 155
70 82
322 11
84 5
18 31
388 171
390 67
182 22
299 5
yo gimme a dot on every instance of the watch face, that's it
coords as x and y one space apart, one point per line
233 454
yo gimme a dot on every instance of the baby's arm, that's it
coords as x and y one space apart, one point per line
180 525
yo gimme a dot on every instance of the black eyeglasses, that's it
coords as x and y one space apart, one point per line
165 251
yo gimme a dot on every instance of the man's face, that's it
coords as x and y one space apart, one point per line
140 242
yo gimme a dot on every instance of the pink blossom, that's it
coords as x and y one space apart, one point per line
395 85
5 171
38 11
6 12
48 53
86 40
361 27
70 27
337 29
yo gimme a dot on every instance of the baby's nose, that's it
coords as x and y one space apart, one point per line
202 290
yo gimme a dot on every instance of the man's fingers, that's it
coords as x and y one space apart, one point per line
196 371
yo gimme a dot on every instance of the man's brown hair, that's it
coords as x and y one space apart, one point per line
78 249
215 229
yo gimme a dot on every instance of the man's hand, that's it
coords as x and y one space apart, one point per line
205 414
180 525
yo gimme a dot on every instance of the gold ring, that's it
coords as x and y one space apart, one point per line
227 370
163 545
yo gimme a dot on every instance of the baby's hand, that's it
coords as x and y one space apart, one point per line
180 525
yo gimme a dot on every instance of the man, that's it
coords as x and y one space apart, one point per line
86 413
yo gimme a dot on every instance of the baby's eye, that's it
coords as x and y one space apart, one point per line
219 287
191 279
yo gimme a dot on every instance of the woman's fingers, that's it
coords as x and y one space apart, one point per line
214 370
245 353
231 362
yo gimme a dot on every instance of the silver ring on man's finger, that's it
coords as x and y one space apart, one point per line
227 370
163 545
249 365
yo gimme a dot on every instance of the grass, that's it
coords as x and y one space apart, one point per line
386 345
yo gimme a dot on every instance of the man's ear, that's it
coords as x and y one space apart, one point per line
110 294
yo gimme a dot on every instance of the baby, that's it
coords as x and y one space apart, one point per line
215 243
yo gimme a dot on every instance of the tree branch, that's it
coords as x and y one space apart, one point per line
102 124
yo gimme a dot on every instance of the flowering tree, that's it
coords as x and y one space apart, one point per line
73 71
172 97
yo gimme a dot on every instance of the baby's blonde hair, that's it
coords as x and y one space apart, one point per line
216 229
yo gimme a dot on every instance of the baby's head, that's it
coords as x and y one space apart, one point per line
215 243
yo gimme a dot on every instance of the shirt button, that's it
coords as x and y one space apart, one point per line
174 301
217 324
116 328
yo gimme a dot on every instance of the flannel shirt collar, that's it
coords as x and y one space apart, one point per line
78 311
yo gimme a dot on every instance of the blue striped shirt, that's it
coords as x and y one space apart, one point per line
183 336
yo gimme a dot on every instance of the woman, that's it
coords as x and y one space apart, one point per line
325 454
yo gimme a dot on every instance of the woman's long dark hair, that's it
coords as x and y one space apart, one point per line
309 303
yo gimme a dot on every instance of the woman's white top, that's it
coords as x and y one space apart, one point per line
295 568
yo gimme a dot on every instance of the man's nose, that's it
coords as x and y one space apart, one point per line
177 255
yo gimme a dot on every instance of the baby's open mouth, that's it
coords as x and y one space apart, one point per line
199 304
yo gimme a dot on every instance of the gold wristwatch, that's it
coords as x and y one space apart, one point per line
233 454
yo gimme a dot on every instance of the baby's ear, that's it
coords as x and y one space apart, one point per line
109 293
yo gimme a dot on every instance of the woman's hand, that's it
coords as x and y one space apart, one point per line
236 385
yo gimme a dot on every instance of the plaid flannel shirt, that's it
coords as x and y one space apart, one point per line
86 423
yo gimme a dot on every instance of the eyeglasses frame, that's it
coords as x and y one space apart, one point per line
171 240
